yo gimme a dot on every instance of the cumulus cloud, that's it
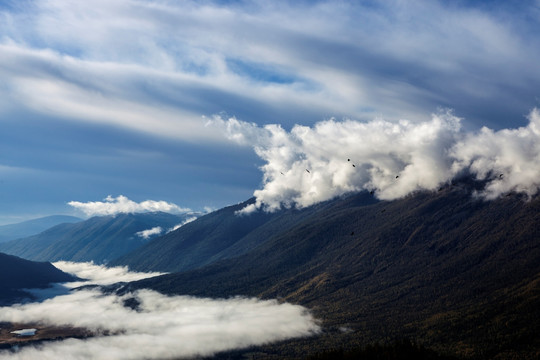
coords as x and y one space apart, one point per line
312 164
161 327
121 204
146 234
508 159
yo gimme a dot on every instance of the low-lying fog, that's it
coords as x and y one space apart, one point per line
161 327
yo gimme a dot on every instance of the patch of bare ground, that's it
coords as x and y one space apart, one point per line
43 333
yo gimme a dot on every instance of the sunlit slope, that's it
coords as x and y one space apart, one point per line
99 239
456 272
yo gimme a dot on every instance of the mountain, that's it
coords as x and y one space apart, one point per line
447 269
32 227
17 274
216 236
97 239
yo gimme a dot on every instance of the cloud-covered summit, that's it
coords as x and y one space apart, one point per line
312 164
121 204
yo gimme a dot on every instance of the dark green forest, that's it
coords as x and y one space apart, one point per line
459 275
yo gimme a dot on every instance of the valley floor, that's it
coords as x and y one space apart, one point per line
9 340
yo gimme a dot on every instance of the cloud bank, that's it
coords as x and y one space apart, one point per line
161 327
121 204
393 159
100 274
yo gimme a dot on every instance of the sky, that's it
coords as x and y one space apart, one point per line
201 104
161 327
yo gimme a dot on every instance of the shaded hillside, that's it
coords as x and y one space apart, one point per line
215 236
97 239
17 274
32 227
452 271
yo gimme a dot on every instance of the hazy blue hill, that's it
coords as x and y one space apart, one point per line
216 236
97 239
32 227
17 274
451 271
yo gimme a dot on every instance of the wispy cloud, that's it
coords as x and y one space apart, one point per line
322 59
312 164
121 204
163 327
146 234
187 221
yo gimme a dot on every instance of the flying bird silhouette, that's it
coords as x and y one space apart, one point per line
308 171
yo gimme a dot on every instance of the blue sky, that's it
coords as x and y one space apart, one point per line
114 97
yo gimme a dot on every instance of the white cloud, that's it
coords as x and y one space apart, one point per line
79 61
163 327
187 221
312 164
100 274
121 204
145 234
508 159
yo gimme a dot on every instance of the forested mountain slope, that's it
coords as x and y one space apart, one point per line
455 272
17 274
99 239
219 235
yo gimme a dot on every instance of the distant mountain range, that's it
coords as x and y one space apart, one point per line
456 273
97 239
17 274
32 227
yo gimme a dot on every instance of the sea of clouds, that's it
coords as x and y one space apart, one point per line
161 327
307 165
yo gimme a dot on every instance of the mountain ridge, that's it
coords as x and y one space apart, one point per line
438 266
99 239
220 235
17 274
34 226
